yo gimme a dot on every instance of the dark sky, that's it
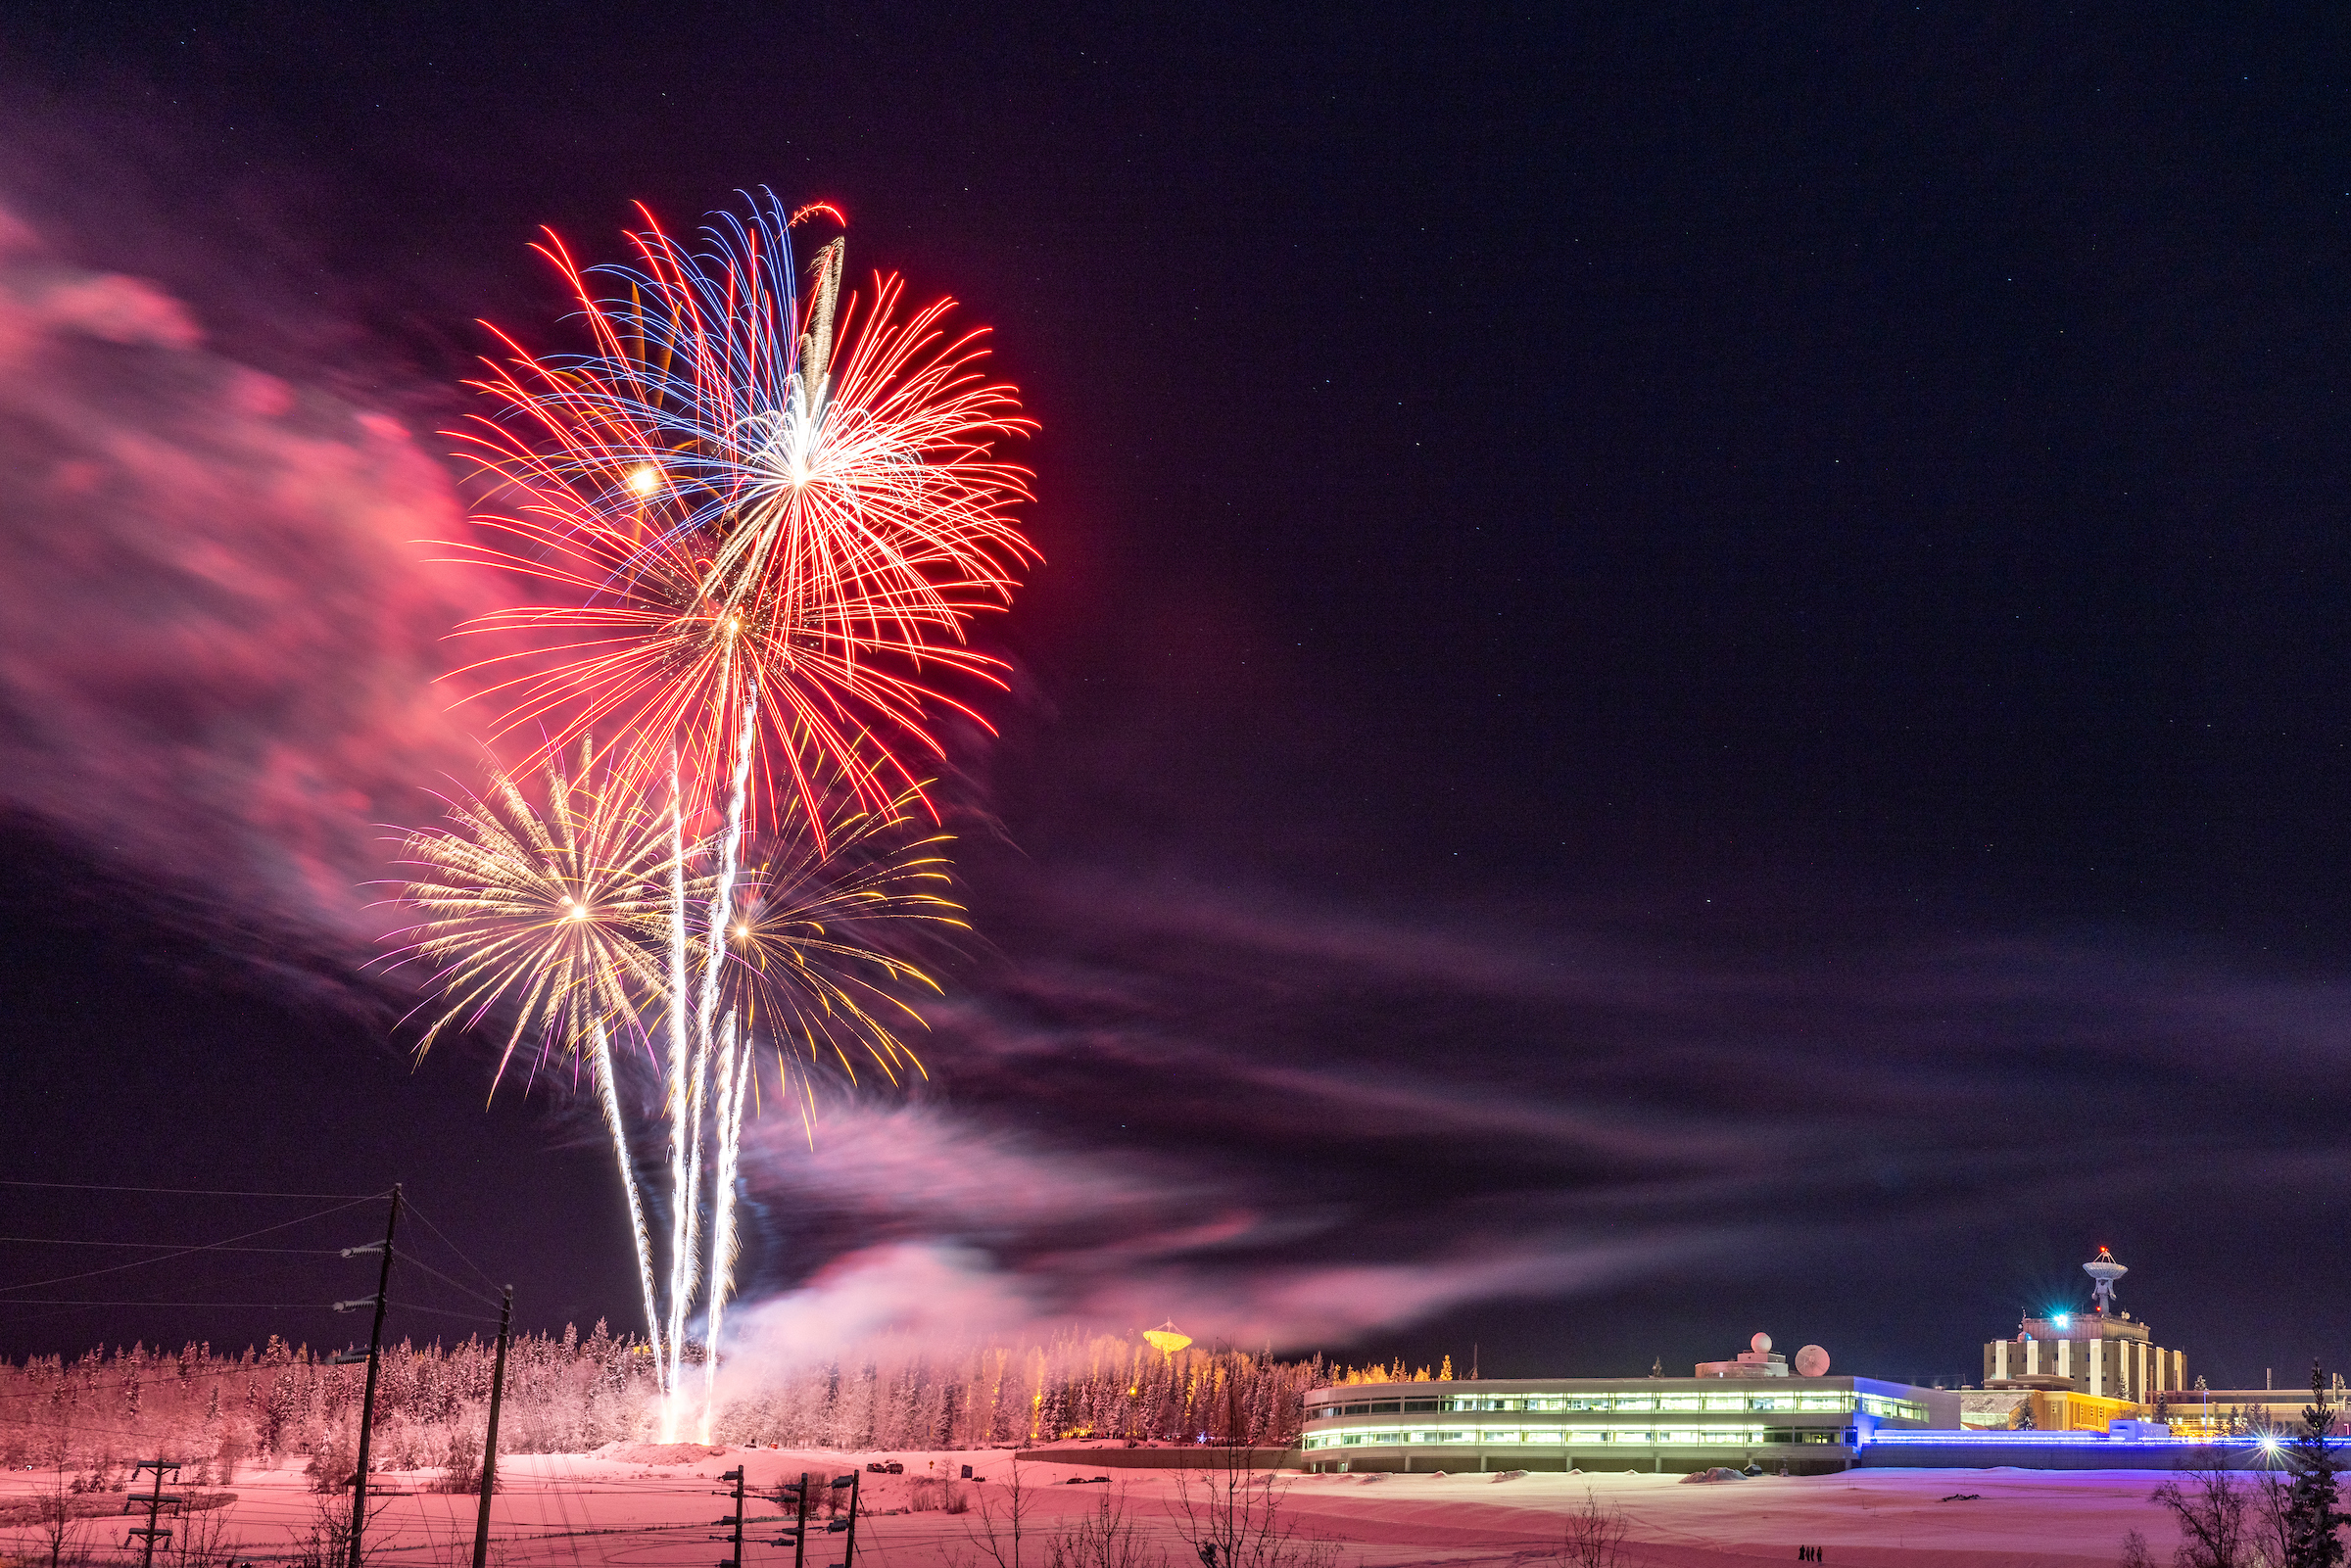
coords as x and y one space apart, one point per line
1688 676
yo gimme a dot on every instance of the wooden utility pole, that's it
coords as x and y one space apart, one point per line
498 1387
852 1479
797 1538
734 1475
375 1362
154 1502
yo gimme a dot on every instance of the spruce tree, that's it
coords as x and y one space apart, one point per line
2312 1516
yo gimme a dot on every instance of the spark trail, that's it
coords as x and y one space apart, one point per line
609 1098
688 1126
734 1069
681 1054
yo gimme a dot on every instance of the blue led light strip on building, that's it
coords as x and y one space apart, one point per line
2026 1440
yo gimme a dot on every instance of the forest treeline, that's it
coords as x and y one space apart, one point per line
566 1394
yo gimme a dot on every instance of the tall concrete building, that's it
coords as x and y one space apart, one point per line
2104 1353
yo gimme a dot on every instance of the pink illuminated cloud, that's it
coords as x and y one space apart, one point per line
218 628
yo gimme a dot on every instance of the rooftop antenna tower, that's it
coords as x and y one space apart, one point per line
2103 1270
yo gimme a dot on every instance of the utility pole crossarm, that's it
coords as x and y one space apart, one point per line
154 1502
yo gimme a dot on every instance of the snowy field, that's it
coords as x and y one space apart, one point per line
655 1506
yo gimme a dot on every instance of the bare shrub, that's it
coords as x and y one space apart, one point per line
2135 1551
2215 1515
2269 1520
62 1525
998 1534
1595 1537
334 1459
937 1494
461 1461
198 1539
324 1540
1229 1512
1104 1538
457 1552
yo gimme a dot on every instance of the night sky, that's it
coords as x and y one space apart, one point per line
1690 675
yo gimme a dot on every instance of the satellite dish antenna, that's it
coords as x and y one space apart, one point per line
1812 1361
2104 1271
1167 1338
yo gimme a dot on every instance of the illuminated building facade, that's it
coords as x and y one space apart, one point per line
2223 1412
1760 1414
2103 1354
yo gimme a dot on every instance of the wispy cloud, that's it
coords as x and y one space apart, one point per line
220 626
1302 1125
1276 1119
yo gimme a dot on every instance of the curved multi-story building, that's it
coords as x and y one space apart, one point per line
1751 1410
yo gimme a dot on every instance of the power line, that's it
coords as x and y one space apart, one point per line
58 1300
453 1247
188 1192
443 1311
185 1248
459 1286
160 1246
184 1252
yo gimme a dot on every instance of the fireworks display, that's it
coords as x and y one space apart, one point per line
543 911
765 518
548 915
739 491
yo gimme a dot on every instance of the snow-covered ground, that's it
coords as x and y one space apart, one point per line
654 1507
